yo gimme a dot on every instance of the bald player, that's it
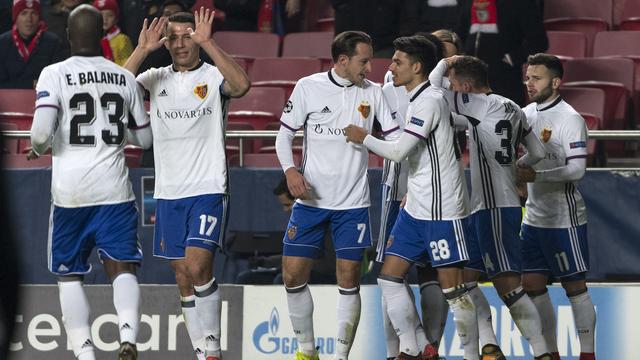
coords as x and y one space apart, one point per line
87 109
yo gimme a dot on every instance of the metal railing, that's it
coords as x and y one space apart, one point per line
271 134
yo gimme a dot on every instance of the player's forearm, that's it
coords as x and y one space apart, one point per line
573 171
42 128
437 74
393 150
236 78
535 150
284 148
140 137
136 59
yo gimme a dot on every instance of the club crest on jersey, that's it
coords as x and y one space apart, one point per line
201 91
292 231
364 109
545 135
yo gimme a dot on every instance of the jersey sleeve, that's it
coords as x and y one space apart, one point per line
384 115
423 119
148 79
295 112
574 137
48 91
138 117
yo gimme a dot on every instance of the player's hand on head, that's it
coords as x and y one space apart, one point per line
204 23
152 35
355 134
525 174
297 184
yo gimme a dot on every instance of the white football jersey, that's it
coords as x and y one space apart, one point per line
394 175
188 119
96 101
335 169
437 187
496 125
564 136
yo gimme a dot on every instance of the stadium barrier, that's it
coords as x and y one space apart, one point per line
612 200
256 326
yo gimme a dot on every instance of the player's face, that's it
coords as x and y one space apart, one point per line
287 204
402 70
108 19
27 22
184 51
359 65
541 85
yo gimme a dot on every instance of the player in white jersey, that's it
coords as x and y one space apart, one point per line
433 304
497 126
331 188
554 232
433 222
188 116
87 108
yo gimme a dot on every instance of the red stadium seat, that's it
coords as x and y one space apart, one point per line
379 68
260 106
616 77
261 160
17 161
17 106
10 145
312 44
602 9
585 100
622 44
568 44
282 72
630 15
248 44
326 24
588 26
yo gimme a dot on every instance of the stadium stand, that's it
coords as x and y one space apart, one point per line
616 77
313 44
19 161
16 106
232 146
567 44
630 16
260 106
282 72
379 68
9 145
599 9
248 44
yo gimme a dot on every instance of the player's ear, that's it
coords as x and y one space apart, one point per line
416 67
556 82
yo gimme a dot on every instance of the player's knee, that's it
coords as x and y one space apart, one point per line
292 279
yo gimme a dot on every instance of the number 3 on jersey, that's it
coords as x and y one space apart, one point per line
89 117
207 219
440 250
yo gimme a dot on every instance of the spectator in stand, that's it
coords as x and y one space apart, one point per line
383 20
116 45
5 15
240 15
56 20
438 14
503 33
27 48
